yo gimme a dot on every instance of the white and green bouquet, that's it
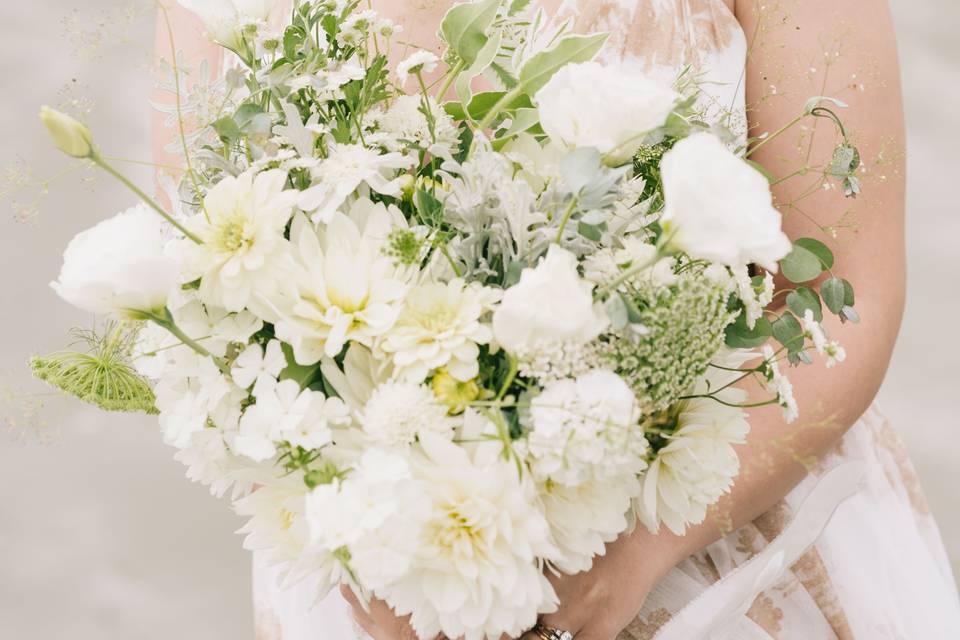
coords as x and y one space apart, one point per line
436 349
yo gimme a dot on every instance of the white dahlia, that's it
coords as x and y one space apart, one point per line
475 573
440 326
583 519
347 289
699 462
242 247
585 429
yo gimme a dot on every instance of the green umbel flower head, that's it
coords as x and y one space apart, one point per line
684 326
103 375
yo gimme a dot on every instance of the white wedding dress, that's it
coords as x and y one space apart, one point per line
868 567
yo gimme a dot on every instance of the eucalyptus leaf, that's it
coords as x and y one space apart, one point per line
739 336
819 249
805 298
848 297
788 332
570 49
833 293
801 265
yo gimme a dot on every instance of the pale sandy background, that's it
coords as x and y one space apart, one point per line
101 537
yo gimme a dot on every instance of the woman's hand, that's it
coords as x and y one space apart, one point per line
378 620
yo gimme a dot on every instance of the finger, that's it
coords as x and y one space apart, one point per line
358 610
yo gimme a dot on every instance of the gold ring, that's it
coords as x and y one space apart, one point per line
549 633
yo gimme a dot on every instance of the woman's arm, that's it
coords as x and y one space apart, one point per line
794 60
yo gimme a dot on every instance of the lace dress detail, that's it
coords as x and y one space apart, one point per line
872 567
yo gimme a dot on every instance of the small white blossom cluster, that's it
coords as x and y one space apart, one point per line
435 348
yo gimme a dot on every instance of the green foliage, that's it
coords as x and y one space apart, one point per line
802 299
464 28
808 259
740 336
570 49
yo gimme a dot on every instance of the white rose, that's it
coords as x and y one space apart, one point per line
119 266
550 304
605 107
225 19
719 208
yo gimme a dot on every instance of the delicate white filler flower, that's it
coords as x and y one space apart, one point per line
602 106
719 208
779 384
256 364
118 267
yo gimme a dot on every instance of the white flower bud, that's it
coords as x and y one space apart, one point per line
70 136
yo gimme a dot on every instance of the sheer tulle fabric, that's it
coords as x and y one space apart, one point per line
877 571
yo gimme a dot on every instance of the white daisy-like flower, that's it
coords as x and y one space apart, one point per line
835 353
585 429
780 385
397 413
606 265
258 365
404 122
241 228
419 61
345 287
699 463
441 326
814 331
346 168
583 519
475 573
285 412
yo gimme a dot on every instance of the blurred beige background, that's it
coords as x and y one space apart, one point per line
101 536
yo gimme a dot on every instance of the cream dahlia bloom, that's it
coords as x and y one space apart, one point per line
346 288
475 573
699 463
242 247
719 208
441 326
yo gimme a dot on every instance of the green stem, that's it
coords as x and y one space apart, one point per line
629 273
166 321
566 219
511 376
499 106
451 76
143 196
777 133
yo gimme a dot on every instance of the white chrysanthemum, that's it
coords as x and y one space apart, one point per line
347 289
440 326
417 62
699 463
583 519
372 518
285 412
585 429
241 227
475 573
404 122
346 168
398 413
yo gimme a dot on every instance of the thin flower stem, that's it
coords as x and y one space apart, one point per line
776 134
166 321
511 376
143 196
448 80
629 273
566 219
499 106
